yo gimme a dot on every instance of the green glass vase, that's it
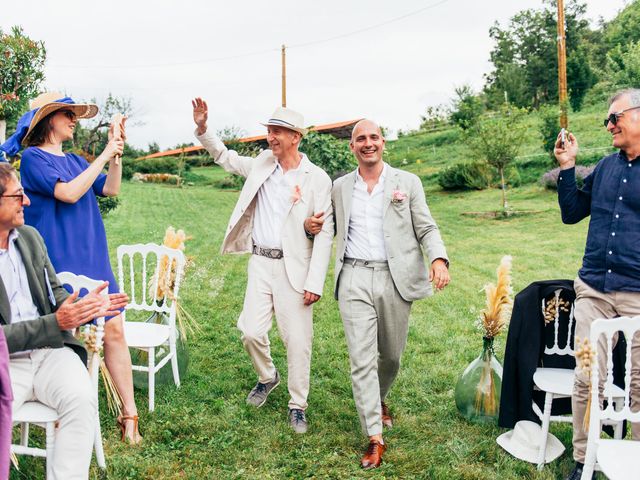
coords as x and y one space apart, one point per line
478 389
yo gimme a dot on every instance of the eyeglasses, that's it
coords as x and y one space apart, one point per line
17 195
69 114
613 118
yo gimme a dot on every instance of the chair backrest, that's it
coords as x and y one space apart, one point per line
143 268
556 304
607 328
84 285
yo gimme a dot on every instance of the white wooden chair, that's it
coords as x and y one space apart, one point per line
141 264
618 459
557 382
36 413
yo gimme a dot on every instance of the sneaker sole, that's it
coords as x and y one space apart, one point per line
267 396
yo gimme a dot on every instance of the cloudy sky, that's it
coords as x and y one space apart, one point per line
346 59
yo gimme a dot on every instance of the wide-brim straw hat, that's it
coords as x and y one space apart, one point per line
287 118
46 104
522 442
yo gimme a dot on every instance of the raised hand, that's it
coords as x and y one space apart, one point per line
566 155
200 114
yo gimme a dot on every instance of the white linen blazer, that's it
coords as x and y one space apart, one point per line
306 261
408 229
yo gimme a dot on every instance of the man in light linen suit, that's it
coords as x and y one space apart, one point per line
383 226
287 270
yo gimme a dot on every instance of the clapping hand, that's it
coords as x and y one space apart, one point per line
72 313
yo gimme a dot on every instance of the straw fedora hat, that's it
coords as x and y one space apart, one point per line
46 104
287 118
522 442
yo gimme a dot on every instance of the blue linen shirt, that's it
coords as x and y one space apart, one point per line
611 259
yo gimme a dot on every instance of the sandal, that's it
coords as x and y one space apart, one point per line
136 438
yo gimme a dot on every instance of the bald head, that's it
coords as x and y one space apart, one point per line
367 143
365 123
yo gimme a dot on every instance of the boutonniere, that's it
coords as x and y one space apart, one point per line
398 196
296 196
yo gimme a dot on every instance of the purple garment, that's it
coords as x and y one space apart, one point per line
73 232
6 399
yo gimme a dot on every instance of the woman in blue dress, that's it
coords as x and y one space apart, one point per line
63 188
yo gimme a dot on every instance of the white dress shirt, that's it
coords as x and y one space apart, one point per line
275 198
14 277
365 238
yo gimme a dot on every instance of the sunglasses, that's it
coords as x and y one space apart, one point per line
68 113
613 118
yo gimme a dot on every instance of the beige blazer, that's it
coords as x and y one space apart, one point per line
409 229
306 261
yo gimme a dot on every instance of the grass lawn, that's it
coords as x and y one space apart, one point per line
204 430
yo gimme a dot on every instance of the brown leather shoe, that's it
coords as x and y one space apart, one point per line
387 421
373 456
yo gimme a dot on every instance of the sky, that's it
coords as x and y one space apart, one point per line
346 59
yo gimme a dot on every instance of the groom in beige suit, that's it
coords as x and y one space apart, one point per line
287 270
383 230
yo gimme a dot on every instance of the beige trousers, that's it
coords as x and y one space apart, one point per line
58 378
376 324
591 305
269 292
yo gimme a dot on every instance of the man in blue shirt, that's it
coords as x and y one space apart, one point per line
608 284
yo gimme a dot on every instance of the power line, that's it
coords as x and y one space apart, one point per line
268 50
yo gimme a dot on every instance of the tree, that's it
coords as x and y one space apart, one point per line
467 107
434 118
21 72
526 62
497 140
549 128
91 136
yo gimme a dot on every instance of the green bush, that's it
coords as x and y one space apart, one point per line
327 152
549 128
153 165
107 204
231 182
475 175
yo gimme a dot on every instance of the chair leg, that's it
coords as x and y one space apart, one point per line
152 378
174 362
24 434
50 437
542 446
97 445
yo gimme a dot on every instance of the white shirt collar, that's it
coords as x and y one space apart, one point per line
13 235
380 179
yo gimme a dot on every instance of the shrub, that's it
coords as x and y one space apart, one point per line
466 176
550 179
107 204
329 153
153 165
231 182
549 128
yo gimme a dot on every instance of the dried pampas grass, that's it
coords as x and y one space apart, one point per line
585 356
497 312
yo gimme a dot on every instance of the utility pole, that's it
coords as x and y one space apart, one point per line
562 66
284 76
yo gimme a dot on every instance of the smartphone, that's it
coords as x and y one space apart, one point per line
563 137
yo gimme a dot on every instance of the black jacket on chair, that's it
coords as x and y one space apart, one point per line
524 353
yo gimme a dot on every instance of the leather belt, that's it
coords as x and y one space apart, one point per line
273 253
357 262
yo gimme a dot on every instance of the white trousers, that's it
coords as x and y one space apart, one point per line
58 378
269 292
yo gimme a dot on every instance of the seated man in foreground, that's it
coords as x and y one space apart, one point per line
47 363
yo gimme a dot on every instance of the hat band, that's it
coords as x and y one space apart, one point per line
284 123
